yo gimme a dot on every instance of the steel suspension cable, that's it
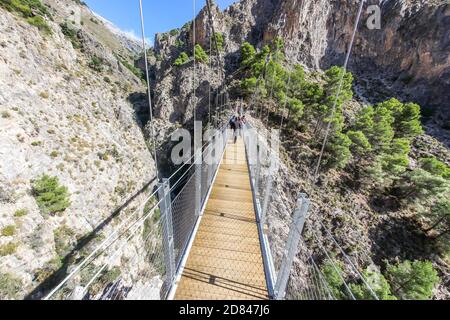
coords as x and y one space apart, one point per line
335 267
341 80
349 260
144 47
286 102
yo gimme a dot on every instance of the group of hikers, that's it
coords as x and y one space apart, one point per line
236 124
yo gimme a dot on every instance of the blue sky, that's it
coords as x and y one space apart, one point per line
160 15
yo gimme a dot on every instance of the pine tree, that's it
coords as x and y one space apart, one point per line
440 216
364 122
436 167
407 119
182 59
295 108
297 81
412 280
259 62
339 149
332 78
360 146
333 274
200 54
421 184
50 196
395 161
248 53
382 132
429 181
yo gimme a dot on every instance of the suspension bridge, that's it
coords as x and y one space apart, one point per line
204 232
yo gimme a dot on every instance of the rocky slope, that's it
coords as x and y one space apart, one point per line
62 118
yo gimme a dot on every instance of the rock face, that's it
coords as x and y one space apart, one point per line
62 118
408 57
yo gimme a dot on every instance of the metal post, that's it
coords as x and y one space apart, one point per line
258 170
295 232
198 167
268 191
168 243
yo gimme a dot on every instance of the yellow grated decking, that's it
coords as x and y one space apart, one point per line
225 261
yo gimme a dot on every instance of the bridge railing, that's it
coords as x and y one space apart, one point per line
280 221
141 258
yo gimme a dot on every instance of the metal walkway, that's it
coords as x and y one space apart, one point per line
225 261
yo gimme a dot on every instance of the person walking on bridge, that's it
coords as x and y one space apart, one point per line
233 126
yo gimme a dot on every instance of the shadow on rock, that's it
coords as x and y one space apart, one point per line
74 256
400 238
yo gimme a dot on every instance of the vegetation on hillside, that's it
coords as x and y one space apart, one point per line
50 196
406 281
373 147
32 10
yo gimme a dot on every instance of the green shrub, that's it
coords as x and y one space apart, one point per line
182 59
8 249
10 286
96 64
50 196
25 7
412 280
71 35
218 37
40 23
334 274
200 54
179 43
436 167
377 283
32 10
6 114
8 231
174 32
20 213
136 71
54 154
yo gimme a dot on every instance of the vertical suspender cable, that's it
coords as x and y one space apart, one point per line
286 102
210 78
144 47
333 110
193 52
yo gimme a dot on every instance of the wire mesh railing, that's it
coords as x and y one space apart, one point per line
280 228
140 258
297 269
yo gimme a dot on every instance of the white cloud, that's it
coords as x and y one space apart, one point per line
131 34
135 36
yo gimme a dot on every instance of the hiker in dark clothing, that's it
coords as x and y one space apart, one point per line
233 126
239 126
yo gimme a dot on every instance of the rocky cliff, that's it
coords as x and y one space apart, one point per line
65 112
409 57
